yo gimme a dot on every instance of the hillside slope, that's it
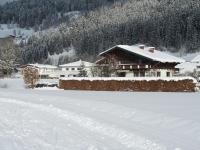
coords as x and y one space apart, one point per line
172 25
41 14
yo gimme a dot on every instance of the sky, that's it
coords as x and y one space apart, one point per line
4 1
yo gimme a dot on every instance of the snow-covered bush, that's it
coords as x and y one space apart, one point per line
30 76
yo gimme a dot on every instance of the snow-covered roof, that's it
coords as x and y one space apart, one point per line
155 56
43 66
196 59
78 64
187 67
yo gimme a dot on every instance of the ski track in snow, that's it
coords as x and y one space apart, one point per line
127 139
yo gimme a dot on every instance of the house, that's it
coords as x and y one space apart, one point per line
139 61
196 59
73 69
45 71
186 68
190 67
67 70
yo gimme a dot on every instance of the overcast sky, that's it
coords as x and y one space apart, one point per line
3 1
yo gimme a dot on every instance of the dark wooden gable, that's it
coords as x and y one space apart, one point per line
125 57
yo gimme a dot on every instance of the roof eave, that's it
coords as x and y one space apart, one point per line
108 50
117 46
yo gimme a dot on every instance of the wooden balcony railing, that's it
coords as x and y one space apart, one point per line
130 67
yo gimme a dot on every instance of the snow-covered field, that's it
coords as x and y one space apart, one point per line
83 120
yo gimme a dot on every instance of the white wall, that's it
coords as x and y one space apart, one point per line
129 74
163 73
75 72
70 68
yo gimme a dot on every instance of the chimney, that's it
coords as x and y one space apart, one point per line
151 49
141 47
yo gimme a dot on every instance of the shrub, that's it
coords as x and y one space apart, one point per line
30 76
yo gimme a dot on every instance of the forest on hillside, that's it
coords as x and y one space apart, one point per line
166 24
42 14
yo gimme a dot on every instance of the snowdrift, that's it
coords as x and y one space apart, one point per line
8 83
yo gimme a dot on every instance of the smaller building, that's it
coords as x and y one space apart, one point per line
186 68
73 69
45 71
190 67
197 61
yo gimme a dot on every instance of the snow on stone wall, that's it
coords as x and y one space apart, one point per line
186 84
132 78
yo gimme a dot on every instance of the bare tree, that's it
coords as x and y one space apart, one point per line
30 76
109 67
195 74
95 71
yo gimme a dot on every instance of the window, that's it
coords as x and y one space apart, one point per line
168 74
78 68
67 68
142 74
62 76
153 74
44 76
73 68
136 74
122 74
158 74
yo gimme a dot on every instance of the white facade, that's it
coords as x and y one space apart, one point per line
186 67
189 68
151 73
162 72
66 70
46 71
73 69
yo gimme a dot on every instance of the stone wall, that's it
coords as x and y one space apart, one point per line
186 85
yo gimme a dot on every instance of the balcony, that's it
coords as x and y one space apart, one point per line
132 66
